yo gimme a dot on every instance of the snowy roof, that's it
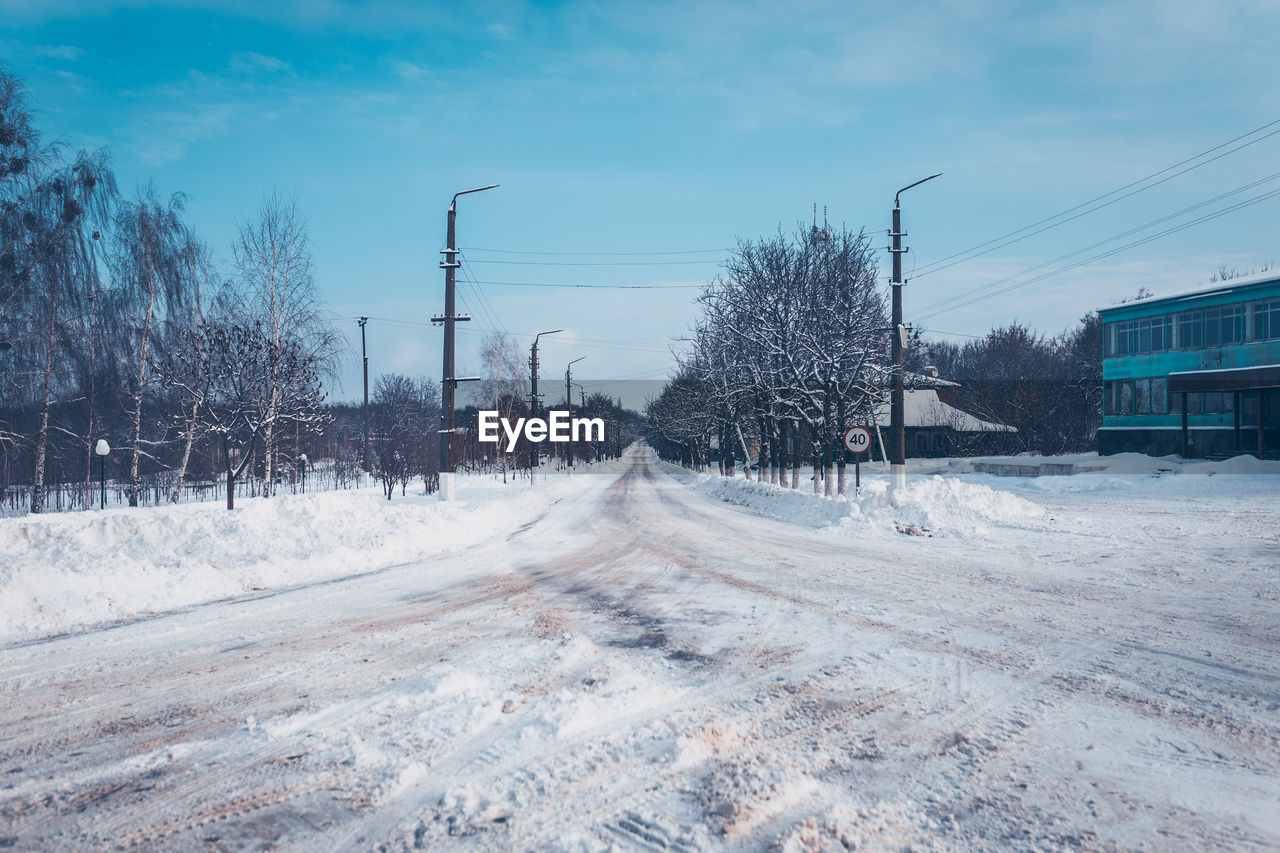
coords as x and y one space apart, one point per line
1217 287
922 408
924 380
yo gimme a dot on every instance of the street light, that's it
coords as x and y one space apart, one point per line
533 399
450 382
568 404
102 449
897 420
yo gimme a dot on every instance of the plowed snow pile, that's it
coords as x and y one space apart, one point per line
67 569
935 505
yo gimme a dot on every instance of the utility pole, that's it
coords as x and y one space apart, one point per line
533 401
897 420
568 403
449 382
364 440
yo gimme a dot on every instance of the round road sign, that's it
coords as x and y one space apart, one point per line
857 439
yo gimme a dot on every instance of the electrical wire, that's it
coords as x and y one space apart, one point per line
592 263
1147 225
1175 229
991 245
599 254
594 286
414 324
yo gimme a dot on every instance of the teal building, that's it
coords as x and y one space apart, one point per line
1196 374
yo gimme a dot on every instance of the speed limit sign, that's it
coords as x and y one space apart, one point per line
857 439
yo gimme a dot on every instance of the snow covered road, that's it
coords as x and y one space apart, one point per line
642 667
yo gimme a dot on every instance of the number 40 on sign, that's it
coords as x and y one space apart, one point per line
857 440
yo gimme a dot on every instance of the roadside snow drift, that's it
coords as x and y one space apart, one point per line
934 505
70 569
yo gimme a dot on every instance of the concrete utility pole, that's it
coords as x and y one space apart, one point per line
364 438
449 382
568 402
897 420
533 400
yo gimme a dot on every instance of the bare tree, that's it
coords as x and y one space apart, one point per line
397 426
147 262
504 385
273 263
246 387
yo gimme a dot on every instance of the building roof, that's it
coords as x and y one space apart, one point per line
1221 287
922 408
1226 379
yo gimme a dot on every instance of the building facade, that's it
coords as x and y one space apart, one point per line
934 427
1197 374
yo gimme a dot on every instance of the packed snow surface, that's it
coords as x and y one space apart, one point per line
650 659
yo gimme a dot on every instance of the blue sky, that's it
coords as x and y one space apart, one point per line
671 127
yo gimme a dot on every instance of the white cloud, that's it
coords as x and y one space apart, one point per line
64 52
410 71
256 63
163 138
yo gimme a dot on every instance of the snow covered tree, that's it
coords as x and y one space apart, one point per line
792 344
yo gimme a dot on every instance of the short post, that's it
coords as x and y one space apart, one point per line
303 459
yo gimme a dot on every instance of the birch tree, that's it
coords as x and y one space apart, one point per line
149 241
272 261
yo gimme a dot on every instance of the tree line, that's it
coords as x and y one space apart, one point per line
792 346
116 321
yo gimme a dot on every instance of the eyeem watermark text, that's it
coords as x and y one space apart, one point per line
558 427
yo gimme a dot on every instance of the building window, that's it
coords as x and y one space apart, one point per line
1266 320
1175 404
1126 398
1259 326
1124 338
939 442
1161 333
1144 335
1212 327
1159 395
1142 396
1195 403
922 441
1190 330
1232 324
1219 402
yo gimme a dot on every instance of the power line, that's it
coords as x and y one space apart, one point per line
470 276
952 334
414 324
990 245
1207 217
595 286
592 263
600 254
1158 221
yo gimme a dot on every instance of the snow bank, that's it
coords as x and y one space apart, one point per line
68 569
1116 465
934 505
